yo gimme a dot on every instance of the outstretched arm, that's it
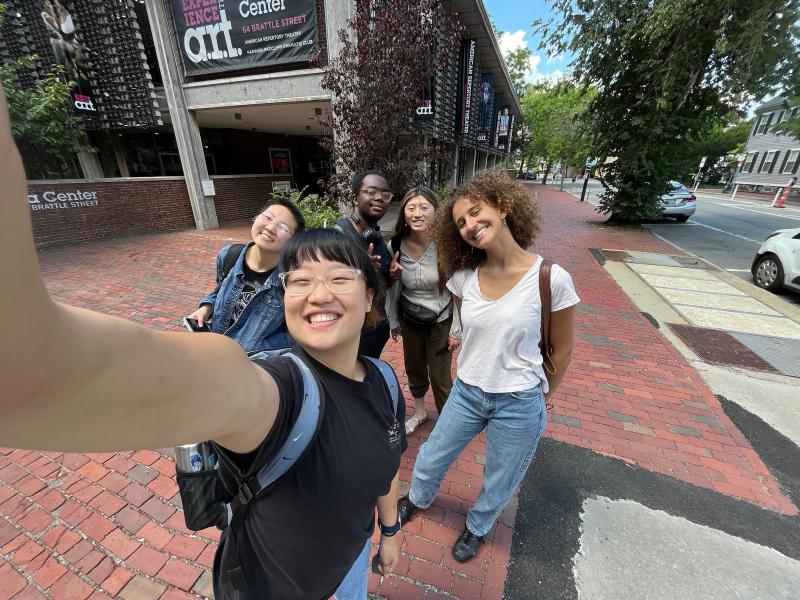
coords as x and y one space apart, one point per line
74 380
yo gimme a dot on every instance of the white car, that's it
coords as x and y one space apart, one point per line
777 263
679 202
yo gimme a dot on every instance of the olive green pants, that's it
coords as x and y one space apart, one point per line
424 367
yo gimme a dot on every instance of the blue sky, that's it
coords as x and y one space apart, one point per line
515 17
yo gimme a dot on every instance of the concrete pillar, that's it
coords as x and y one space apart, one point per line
119 154
469 164
187 133
90 165
485 161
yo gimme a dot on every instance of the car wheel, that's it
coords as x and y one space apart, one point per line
768 273
682 218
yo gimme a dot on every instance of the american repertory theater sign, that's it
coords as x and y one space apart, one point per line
217 36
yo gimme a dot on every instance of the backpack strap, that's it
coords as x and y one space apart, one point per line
389 378
231 254
303 432
544 293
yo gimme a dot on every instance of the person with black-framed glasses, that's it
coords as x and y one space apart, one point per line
371 198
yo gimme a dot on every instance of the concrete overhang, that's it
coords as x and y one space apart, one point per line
474 17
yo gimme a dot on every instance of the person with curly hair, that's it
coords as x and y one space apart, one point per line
482 235
419 307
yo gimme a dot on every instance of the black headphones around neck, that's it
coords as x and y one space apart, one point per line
373 236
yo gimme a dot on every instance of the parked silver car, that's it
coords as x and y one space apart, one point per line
679 202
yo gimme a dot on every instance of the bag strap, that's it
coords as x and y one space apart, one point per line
390 378
544 293
232 253
303 432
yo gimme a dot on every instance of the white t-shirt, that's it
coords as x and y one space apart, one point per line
500 342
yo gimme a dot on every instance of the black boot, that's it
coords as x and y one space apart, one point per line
405 509
466 546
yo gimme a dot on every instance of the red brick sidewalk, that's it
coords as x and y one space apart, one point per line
628 393
104 525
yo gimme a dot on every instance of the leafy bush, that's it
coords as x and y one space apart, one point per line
318 211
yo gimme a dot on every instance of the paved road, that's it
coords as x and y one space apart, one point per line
724 232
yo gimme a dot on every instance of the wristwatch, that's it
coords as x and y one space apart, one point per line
389 531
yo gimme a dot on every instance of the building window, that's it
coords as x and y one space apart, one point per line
758 124
749 161
769 161
791 162
764 123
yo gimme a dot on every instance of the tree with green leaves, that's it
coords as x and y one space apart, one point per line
720 147
554 113
518 65
792 126
389 52
41 122
668 71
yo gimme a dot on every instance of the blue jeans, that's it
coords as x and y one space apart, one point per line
354 584
514 422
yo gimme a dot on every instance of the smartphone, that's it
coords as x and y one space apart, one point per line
191 325
377 567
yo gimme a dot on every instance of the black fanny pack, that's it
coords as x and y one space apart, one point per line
419 315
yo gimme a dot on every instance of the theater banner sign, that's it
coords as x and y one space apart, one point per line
218 36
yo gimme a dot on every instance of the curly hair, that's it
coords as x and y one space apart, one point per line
495 189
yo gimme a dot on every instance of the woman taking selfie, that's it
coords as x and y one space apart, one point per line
114 385
419 307
482 235
247 304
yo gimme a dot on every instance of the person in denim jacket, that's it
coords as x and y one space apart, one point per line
247 304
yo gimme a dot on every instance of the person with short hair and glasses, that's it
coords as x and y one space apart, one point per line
371 198
247 305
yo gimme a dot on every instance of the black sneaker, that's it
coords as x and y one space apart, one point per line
405 509
466 546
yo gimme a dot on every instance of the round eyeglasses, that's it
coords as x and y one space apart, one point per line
302 283
279 225
374 192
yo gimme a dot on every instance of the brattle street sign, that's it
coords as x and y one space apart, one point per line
217 36
53 200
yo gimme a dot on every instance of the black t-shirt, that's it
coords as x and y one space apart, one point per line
300 540
253 283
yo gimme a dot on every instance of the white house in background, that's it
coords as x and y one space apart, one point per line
771 159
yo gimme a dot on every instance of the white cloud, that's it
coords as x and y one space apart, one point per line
511 41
